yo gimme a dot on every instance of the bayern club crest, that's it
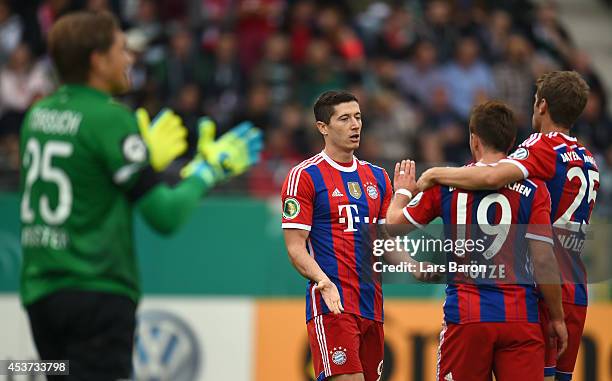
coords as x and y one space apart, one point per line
339 356
372 191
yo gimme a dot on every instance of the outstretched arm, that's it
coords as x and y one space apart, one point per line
404 182
165 209
405 188
471 178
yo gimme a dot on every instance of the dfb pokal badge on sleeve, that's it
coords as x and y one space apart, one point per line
291 208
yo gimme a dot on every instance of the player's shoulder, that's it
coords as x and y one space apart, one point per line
47 101
374 168
538 142
588 156
533 140
118 107
368 164
311 161
115 116
50 111
300 171
554 140
103 110
539 139
51 101
114 110
584 149
102 115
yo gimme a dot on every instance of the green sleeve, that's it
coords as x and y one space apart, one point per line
116 140
165 209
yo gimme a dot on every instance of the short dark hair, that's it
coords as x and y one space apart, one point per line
324 106
493 122
74 37
566 95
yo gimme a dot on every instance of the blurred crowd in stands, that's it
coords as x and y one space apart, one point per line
417 67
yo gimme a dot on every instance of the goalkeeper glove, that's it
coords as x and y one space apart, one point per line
230 155
235 151
208 173
165 137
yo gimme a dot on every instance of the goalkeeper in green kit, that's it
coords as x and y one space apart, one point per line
87 163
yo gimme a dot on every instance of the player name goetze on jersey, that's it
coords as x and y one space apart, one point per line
517 187
508 218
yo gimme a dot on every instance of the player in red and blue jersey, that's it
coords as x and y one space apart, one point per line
473 343
571 175
331 202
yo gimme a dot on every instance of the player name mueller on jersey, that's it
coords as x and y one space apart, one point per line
572 178
339 205
526 203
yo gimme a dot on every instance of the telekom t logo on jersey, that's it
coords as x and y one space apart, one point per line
351 212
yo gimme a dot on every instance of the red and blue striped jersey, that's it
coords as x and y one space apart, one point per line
572 178
523 204
339 205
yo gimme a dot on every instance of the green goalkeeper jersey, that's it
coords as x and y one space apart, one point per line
82 156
